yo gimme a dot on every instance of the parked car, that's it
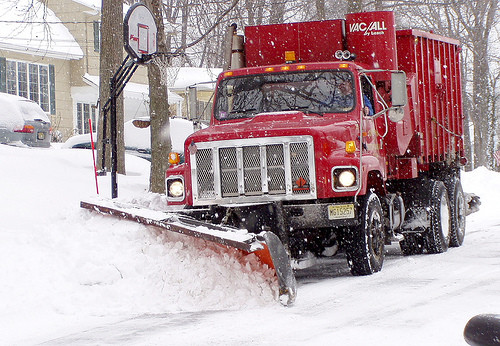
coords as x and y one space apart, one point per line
138 139
23 121
83 142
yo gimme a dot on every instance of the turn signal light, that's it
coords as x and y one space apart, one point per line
27 129
350 147
174 158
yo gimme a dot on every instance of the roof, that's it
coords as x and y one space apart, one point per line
182 77
28 26
134 90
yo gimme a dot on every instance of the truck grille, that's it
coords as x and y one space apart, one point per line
253 170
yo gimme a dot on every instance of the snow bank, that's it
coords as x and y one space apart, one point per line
63 262
71 276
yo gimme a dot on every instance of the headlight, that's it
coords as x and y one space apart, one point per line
345 178
175 188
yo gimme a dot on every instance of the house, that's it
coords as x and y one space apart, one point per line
51 55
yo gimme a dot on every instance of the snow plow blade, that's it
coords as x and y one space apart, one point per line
266 245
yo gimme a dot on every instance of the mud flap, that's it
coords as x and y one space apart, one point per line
266 246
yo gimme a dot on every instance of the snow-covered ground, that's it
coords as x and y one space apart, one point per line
70 276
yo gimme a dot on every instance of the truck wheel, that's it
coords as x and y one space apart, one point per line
412 244
457 207
365 243
438 234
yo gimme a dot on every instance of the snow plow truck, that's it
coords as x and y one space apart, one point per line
338 134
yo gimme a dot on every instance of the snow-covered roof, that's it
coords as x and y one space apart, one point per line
182 77
92 4
27 26
134 90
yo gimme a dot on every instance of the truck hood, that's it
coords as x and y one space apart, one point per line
334 128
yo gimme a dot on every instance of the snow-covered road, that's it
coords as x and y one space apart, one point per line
71 277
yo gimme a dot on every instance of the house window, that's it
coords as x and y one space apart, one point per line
33 82
84 112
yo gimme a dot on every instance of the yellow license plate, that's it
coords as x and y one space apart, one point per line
340 211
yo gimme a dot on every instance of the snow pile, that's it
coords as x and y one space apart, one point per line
72 276
63 262
15 110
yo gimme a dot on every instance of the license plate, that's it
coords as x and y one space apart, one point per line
40 136
341 211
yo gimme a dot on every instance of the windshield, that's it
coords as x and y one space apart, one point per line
311 91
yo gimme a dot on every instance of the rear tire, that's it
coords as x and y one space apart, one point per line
438 234
365 243
458 211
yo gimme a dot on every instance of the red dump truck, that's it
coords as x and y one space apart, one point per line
338 134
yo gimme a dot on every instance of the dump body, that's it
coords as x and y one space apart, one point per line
432 66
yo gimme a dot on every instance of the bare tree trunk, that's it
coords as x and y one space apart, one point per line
278 11
158 109
111 59
320 9
354 6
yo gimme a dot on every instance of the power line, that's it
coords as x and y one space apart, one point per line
46 22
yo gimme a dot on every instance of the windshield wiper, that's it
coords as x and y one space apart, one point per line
245 110
305 110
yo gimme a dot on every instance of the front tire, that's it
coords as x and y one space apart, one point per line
438 234
366 243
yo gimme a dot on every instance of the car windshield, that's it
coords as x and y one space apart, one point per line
312 92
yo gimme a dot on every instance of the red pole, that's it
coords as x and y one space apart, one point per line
93 155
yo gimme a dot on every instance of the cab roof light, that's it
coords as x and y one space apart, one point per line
290 57
285 68
228 74
301 67
269 69
344 65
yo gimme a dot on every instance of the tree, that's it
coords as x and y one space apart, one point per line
158 107
111 58
472 23
158 95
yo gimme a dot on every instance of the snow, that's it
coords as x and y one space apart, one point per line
72 276
15 110
44 36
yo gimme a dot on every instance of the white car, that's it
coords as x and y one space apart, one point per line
138 140
22 120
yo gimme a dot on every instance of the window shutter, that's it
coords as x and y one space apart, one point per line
52 87
97 36
3 75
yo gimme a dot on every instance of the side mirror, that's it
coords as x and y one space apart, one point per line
398 88
396 114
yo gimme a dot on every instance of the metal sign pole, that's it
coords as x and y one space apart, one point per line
114 156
